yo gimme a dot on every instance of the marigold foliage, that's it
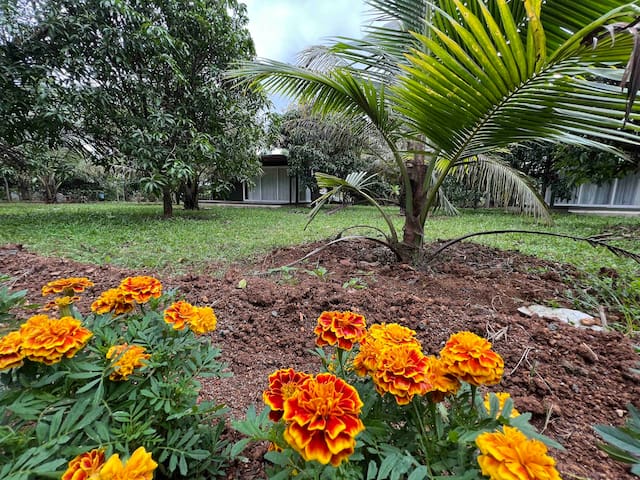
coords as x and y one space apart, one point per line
502 398
323 419
113 301
11 354
283 384
343 329
510 455
47 340
68 286
126 359
85 466
470 358
141 289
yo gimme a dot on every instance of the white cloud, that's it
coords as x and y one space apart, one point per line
282 28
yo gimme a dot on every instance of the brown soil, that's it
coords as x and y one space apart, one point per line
568 378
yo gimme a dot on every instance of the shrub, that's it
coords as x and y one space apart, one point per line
123 381
384 410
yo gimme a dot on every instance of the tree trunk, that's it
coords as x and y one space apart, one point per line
7 189
191 194
167 204
413 232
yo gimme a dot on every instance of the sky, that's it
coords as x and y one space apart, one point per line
282 28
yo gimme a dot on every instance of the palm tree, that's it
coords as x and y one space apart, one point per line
457 80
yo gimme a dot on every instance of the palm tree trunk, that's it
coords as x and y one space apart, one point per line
413 232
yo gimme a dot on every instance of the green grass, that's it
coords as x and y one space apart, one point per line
136 235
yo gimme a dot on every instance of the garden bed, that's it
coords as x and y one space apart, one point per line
568 378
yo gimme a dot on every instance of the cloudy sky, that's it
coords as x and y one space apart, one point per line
282 28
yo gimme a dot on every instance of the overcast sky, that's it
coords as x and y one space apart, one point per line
282 28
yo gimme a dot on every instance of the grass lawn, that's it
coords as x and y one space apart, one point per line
136 235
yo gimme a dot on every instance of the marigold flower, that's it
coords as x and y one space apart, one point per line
11 354
442 383
510 455
401 370
114 301
205 321
141 289
140 466
68 286
85 466
126 359
341 328
47 340
180 314
470 358
378 337
502 398
283 384
61 302
323 419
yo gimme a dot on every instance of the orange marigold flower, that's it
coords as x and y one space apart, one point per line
140 466
341 328
510 455
126 359
114 301
378 337
205 321
283 384
141 289
470 358
85 466
180 314
47 340
442 383
502 398
401 370
323 419
11 354
68 286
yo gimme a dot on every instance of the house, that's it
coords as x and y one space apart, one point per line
619 195
274 186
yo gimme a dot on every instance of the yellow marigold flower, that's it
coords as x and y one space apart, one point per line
126 359
205 321
140 466
341 328
283 384
47 340
510 455
11 354
401 370
141 289
85 466
378 337
442 383
502 398
114 301
61 302
470 358
68 286
323 419
180 314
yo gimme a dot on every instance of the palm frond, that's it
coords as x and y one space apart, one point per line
506 185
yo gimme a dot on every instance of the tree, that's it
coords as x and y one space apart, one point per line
462 79
148 78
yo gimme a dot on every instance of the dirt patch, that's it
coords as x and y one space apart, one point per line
569 379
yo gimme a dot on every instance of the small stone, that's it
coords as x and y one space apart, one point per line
274 313
619 412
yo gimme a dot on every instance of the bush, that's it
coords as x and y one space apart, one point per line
122 381
393 412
